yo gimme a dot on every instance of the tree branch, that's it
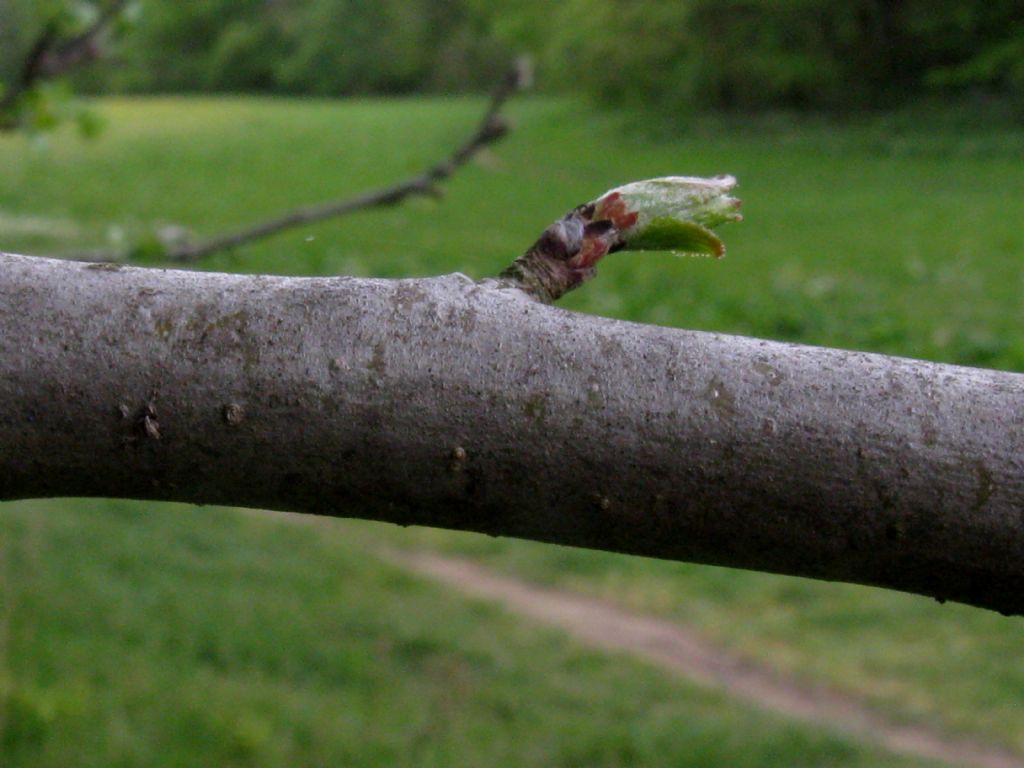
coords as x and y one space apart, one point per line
464 405
51 57
491 128
66 55
31 72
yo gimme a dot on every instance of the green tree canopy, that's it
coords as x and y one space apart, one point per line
722 54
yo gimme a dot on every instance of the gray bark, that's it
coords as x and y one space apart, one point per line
450 403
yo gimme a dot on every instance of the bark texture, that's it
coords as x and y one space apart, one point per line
457 404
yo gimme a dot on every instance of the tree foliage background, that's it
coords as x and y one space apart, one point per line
724 54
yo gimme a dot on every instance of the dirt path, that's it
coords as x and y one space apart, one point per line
672 646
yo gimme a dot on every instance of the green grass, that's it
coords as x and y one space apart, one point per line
163 636
950 666
167 636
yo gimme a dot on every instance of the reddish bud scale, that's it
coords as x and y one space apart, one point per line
613 208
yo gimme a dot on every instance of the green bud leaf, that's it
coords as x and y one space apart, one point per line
672 213
665 234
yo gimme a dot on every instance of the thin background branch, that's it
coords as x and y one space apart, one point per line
52 56
492 127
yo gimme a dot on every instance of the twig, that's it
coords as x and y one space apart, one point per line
84 47
31 73
492 127
50 57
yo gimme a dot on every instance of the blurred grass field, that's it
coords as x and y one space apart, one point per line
140 634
